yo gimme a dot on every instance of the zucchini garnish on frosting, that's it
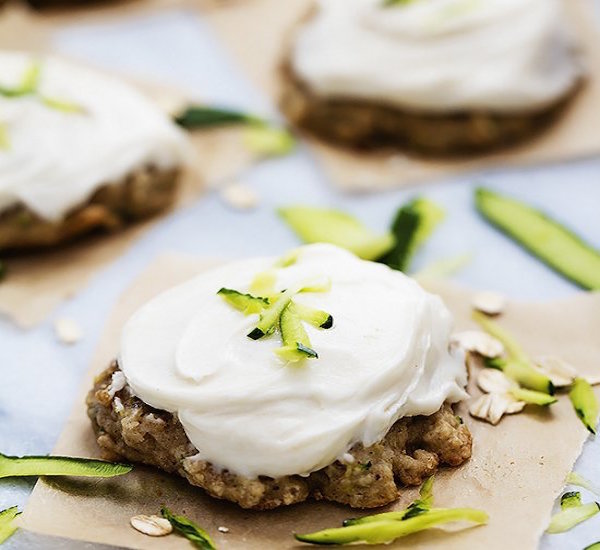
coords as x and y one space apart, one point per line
280 311
28 86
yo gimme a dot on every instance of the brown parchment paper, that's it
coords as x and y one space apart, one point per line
37 282
259 49
517 468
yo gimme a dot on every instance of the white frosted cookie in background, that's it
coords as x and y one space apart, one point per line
432 76
79 150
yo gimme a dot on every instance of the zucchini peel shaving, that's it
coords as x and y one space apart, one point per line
388 526
548 240
322 225
190 530
420 505
201 116
268 141
413 225
585 403
246 303
517 366
14 466
577 479
280 311
296 345
572 513
385 531
7 528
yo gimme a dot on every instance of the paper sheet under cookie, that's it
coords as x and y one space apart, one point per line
37 283
516 472
258 49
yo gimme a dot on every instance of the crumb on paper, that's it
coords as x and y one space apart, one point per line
240 196
222 529
479 342
67 330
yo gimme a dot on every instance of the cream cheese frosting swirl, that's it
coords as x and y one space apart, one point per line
249 412
440 55
52 158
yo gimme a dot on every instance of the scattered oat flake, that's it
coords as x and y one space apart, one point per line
593 380
491 407
240 196
490 303
67 330
560 372
494 381
478 342
223 529
153 526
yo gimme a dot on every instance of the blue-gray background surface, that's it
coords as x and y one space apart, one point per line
40 376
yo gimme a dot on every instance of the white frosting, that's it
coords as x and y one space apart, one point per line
440 55
56 160
245 410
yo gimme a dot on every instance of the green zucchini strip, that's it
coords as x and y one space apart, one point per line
296 344
6 523
512 347
270 316
320 225
62 105
572 513
190 530
29 82
289 258
446 267
316 317
379 532
390 3
417 507
13 466
4 139
545 238
31 78
585 403
413 225
524 374
268 141
317 285
577 479
572 499
533 397
263 284
243 302
199 116
518 366
594 546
